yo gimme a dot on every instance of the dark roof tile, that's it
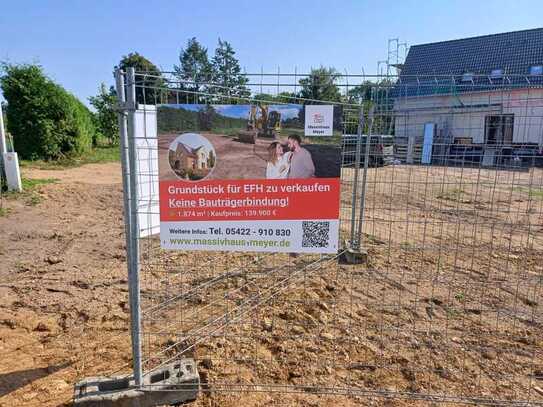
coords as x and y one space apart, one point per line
514 52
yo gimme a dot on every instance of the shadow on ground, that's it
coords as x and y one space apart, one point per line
14 380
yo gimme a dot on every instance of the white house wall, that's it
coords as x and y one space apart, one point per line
526 104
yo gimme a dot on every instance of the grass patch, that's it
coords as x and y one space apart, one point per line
102 154
29 184
30 194
536 193
335 140
4 211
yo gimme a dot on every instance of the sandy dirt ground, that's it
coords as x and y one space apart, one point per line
449 303
62 268
93 174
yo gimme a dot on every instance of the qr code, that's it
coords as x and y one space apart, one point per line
315 234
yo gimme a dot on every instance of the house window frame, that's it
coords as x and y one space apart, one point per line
468 77
497 73
504 129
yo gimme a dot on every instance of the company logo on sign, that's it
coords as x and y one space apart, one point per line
318 118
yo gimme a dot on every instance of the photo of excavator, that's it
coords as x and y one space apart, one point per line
262 123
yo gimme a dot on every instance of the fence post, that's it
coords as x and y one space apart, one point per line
127 197
360 130
3 146
364 179
121 106
133 253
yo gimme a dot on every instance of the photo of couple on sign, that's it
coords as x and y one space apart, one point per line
212 142
295 162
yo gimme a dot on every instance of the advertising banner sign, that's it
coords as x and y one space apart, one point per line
242 178
319 120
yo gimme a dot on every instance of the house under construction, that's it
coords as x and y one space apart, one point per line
474 100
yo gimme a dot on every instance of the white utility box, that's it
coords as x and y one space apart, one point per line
13 174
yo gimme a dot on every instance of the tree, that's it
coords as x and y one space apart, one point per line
153 82
194 67
206 116
287 97
44 119
360 93
227 72
106 117
3 108
283 97
376 95
264 97
321 85
383 104
211 160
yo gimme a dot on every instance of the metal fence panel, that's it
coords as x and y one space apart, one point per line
447 307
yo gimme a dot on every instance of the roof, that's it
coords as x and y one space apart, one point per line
447 61
187 150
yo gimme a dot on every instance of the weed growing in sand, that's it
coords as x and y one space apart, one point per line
454 194
452 312
33 200
460 296
407 246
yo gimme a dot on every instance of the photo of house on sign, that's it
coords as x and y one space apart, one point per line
191 157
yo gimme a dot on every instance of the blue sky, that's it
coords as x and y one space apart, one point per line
235 111
193 140
79 42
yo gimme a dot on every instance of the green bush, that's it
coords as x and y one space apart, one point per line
44 119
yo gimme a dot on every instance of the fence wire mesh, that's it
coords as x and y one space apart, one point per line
443 188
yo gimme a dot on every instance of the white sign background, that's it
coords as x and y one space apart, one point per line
147 180
319 120
198 236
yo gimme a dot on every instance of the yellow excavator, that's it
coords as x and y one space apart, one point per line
266 125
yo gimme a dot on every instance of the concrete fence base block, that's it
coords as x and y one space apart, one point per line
175 383
354 255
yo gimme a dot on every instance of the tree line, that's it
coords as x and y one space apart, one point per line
48 122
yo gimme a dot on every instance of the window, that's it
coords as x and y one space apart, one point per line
499 129
496 74
536 70
467 77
